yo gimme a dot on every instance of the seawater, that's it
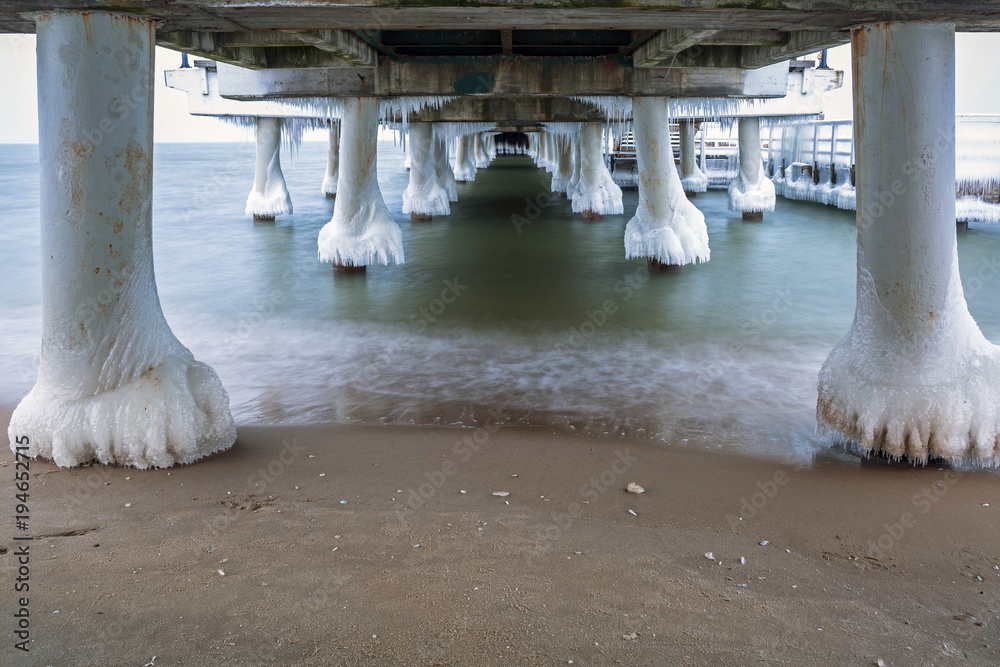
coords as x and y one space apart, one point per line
511 308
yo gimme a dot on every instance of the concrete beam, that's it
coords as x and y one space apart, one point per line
512 111
799 44
664 46
504 77
275 49
343 44
221 15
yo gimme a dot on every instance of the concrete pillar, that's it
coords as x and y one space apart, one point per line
332 161
479 151
667 229
552 152
597 194
914 376
446 177
577 162
424 197
693 179
361 231
269 196
564 164
542 157
751 192
114 384
465 161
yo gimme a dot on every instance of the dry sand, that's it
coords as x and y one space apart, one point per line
127 564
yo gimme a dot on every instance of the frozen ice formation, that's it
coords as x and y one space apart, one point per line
596 191
114 384
666 227
362 231
424 196
269 196
751 191
332 161
914 376
465 161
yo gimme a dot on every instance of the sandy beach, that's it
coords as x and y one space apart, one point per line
361 545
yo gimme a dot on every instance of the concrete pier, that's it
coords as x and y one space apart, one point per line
114 384
269 196
693 179
563 172
596 194
914 376
667 230
424 197
332 162
362 231
751 192
465 160
445 175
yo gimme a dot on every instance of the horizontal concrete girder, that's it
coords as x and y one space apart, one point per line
504 77
224 15
276 49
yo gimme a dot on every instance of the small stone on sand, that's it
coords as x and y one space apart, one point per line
634 488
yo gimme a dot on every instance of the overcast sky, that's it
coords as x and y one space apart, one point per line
977 90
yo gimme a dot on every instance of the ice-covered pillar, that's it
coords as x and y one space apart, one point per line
597 194
693 179
479 151
446 177
269 196
564 164
751 192
332 161
424 197
574 179
914 376
361 231
114 384
465 161
667 229
540 154
551 152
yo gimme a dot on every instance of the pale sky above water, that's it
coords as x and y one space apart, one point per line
977 91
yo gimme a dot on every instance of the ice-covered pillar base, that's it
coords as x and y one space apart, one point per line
332 162
446 177
269 196
597 194
914 376
751 192
424 197
667 229
564 165
693 179
465 161
362 231
479 151
114 384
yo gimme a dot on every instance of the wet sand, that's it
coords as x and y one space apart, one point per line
863 561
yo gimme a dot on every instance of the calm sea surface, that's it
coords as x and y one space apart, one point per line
547 324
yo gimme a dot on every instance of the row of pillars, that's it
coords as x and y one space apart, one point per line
913 377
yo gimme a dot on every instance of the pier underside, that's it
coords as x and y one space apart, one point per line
506 68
